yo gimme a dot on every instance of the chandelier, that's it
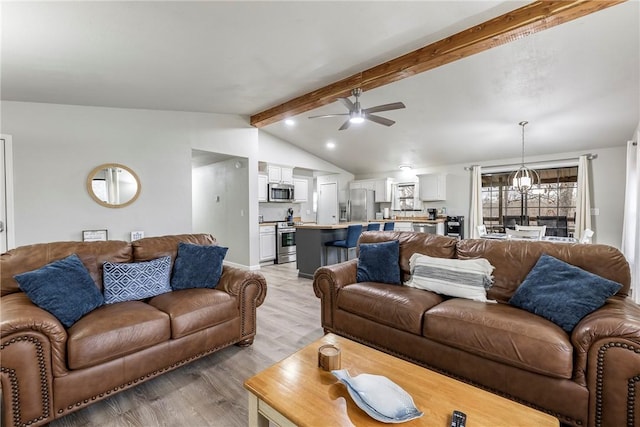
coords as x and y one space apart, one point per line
524 179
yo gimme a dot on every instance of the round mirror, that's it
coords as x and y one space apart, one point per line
113 185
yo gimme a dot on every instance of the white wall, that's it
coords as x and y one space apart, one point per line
607 189
221 206
56 146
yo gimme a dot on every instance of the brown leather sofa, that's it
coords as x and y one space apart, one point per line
48 371
586 378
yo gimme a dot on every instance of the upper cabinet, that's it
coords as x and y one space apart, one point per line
433 187
281 174
381 187
262 188
300 190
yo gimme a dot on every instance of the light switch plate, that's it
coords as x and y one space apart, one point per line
595 211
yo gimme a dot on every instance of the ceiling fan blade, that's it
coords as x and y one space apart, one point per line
347 103
385 107
345 125
329 115
380 120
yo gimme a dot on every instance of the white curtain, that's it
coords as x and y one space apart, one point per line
631 225
583 201
475 217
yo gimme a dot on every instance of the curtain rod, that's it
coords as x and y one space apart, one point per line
589 157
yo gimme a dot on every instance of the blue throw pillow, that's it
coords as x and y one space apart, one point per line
378 262
64 288
197 266
137 280
561 292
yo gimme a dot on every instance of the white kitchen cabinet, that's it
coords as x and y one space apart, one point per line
433 187
267 243
300 190
382 190
262 188
280 174
286 175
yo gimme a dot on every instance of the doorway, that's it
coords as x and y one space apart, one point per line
7 234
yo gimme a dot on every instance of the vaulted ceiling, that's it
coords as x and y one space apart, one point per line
576 83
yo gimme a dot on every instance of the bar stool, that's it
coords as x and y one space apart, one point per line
388 226
353 233
373 226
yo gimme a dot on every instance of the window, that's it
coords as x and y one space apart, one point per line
554 205
406 197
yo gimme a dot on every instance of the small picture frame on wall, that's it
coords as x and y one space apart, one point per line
94 235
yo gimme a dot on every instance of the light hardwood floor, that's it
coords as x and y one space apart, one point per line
209 391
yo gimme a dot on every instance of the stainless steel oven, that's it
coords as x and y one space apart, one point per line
285 242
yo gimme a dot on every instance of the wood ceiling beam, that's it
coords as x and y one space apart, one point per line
522 22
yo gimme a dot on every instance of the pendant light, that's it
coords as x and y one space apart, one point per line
524 179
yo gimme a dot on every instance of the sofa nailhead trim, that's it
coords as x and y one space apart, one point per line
15 389
631 395
74 406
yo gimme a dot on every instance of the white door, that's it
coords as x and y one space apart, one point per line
328 204
6 198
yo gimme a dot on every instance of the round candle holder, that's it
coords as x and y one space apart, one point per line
329 357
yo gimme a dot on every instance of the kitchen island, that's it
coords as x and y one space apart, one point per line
311 237
310 240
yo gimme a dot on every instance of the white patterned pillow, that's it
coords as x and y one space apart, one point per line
137 280
463 278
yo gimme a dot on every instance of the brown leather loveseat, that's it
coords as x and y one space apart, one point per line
587 377
48 370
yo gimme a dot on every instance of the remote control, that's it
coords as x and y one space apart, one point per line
458 419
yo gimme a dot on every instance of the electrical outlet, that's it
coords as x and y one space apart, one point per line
595 211
137 235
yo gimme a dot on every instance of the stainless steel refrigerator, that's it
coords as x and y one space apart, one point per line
361 205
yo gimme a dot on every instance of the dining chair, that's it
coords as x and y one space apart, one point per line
388 226
523 234
373 226
587 234
541 228
353 233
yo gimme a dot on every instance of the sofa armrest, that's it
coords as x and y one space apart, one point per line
326 283
33 351
250 288
607 345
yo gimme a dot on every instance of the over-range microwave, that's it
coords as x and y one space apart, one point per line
280 192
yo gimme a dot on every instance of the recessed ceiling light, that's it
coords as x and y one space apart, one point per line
405 167
289 122
331 145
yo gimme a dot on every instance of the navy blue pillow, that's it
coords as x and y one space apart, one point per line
378 262
197 266
561 292
64 288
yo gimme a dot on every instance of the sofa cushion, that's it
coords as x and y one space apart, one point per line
197 266
561 292
113 331
397 306
136 280
378 262
502 333
192 310
64 288
453 277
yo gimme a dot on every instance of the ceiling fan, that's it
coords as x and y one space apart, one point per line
358 115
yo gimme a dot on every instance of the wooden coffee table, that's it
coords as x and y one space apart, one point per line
295 391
